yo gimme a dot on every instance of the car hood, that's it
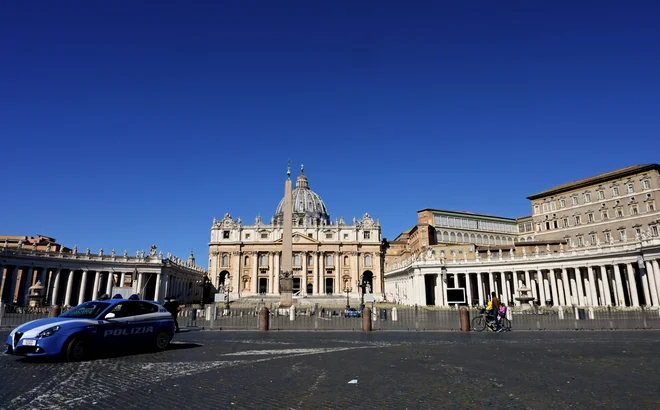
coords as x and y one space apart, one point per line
37 326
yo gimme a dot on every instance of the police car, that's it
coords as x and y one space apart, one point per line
94 326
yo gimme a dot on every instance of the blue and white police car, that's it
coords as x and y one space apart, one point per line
92 327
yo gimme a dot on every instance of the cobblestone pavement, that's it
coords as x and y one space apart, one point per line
304 370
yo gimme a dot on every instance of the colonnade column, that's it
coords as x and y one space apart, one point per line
567 287
621 300
634 297
12 288
111 282
656 276
643 275
83 287
122 279
504 292
539 277
580 288
139 284
653 285
592 287
553 287
56 284
69 286
480 291
157 290
606 285
468 288
514 276
491 283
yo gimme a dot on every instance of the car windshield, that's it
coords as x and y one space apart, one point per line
88 310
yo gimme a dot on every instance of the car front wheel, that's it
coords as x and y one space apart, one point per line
163 338
77 349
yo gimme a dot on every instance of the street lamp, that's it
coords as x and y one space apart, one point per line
347 290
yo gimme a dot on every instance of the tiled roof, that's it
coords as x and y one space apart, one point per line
600 178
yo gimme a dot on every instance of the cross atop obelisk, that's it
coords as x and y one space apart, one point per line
286 268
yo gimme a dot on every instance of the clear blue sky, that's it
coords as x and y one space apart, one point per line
129 123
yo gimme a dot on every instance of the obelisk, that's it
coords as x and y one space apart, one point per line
286 265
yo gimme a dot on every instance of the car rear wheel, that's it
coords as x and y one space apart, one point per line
77 349
163 338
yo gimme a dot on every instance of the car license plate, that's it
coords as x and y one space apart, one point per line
29 342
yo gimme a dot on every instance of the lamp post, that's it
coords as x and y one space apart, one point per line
347 290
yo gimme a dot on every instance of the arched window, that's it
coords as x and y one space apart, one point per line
225 260
328 260
346 261
310 262
452 237
247 260
459 237
296 260
264 260
367 260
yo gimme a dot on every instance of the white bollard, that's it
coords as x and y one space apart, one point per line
561 313
394 315
292 313
591 313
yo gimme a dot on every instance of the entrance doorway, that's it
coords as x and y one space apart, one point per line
296 285
329 286
430 282
310 288
368 282
263 285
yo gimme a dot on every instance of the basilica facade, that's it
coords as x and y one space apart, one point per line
330 258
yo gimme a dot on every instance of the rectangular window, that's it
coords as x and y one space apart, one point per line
545 207
580 240
650 206
556 224
601 195
654 229
565 221
553 207
577 219
615 191
603 215
575 200
638 232
619 212
562 203
247 236
587 197
590 216
264 236
608 237
634 210
646 184
622 235
367 235
592 238
225 234
345 236
631 187
328 236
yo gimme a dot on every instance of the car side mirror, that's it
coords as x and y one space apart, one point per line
109 316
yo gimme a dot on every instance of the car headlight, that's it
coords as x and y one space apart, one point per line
49 331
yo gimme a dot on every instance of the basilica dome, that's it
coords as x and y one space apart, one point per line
308 208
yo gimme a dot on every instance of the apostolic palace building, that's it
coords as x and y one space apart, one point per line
329 257
592 242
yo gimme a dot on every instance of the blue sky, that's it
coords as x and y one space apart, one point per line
130 123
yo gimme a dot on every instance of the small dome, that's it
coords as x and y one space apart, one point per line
307 205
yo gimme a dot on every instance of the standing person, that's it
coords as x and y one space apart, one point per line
495 310
172 306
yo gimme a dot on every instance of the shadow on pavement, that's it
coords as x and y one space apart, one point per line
114 353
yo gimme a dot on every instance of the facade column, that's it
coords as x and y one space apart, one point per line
140 279
480 291
315 269
56 284
528 282
95 291
468 288
69 286
656 276
236 273
560 291
83 288
539 278
553 287
514 276
491 283
303 277
271 272
43 277
335 263
653 285
253 281
621 299
276 285
575 299
567 287
634 294
122 279
592 286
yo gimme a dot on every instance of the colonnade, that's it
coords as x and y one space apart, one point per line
615 284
